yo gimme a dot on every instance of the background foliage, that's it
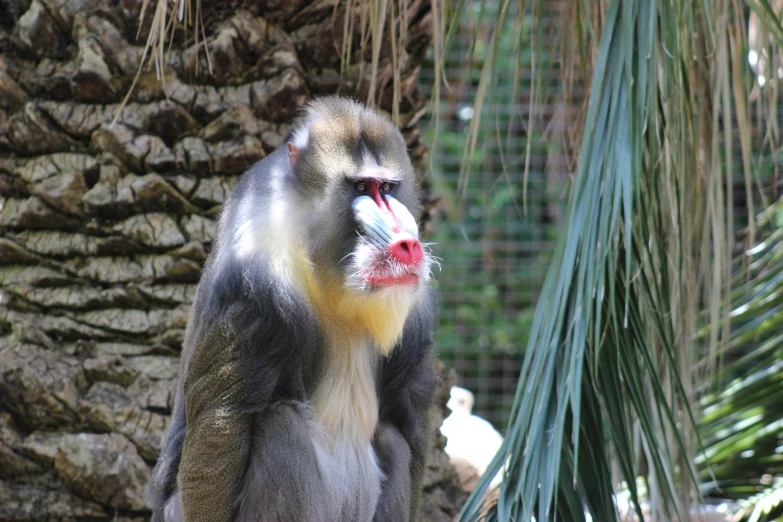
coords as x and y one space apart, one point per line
677 135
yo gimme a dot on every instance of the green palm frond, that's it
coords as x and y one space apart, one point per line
766 506
601 374
742 425
608 377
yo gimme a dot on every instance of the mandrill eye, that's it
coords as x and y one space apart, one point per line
360 187
385 188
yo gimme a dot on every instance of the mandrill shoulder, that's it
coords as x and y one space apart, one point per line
242 287
248 329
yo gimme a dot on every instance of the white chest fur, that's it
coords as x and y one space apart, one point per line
351 476
345 416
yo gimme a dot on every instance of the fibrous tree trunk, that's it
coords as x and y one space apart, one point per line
104 228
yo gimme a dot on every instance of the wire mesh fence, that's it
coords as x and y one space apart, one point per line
497 226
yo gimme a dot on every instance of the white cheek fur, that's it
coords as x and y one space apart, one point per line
269 228
300 138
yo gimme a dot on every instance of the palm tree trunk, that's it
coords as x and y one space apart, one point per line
104 229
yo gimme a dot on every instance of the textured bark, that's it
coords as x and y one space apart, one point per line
104 228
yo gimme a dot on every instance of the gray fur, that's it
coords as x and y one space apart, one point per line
391 448
283 482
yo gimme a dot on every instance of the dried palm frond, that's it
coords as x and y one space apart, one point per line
169 16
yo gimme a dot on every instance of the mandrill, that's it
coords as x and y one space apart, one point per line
306 375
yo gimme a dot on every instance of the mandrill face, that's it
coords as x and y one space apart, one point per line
388 252
366 236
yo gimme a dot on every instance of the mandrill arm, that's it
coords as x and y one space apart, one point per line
241 357
217 444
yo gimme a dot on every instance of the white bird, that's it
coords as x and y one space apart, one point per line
469 438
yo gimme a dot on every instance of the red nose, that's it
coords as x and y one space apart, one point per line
407 251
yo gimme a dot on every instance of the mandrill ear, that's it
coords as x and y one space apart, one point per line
293 153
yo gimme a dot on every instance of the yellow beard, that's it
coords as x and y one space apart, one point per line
346 314
357 328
